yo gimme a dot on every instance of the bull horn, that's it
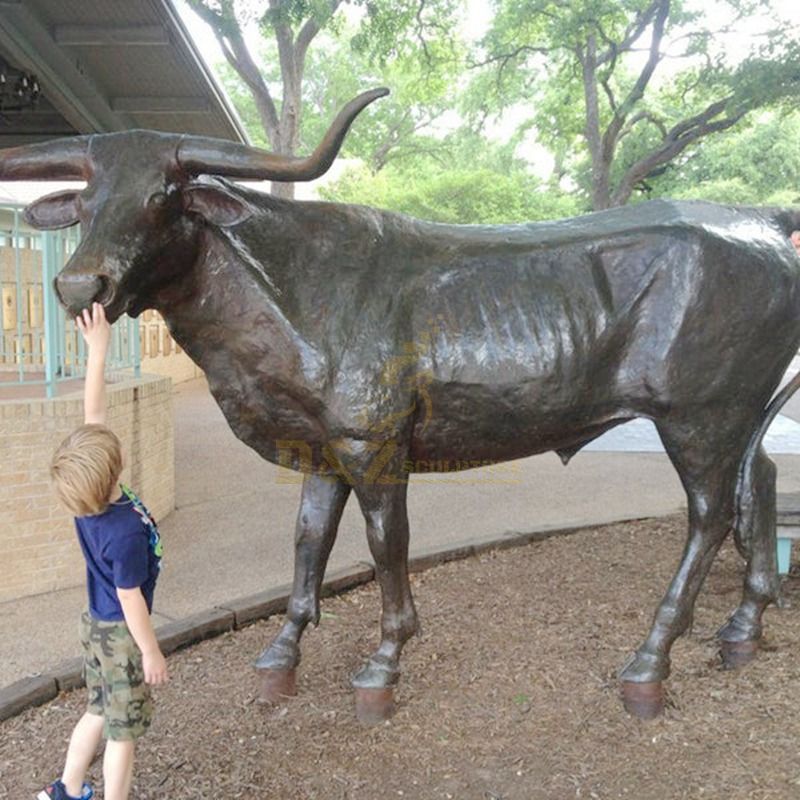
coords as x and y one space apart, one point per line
59 159
203 156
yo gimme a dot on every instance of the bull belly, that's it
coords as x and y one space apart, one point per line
463 427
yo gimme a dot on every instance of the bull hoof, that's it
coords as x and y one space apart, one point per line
642 667
643 700
374 706
741 627
277 685
281 656
376 674
737 654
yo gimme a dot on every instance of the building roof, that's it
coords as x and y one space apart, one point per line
109 66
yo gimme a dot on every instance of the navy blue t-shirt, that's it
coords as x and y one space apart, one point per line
116 546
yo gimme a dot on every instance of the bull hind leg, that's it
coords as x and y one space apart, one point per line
706 453
321 504
755 534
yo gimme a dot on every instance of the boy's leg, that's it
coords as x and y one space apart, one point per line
118 768
83 745
88 732
127 708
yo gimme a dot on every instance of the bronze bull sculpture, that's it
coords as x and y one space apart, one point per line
363 342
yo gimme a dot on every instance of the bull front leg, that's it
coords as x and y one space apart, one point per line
384 508
321 504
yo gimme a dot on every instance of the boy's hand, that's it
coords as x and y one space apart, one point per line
155 668
94 327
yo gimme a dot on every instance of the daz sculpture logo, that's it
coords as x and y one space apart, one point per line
378 454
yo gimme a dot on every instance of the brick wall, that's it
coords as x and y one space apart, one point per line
38 548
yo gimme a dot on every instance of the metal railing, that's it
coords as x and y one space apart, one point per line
38 343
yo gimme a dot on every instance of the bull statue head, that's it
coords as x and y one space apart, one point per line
145 200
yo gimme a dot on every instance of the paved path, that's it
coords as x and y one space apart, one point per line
231 533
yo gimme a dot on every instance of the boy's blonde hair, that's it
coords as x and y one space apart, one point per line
85 469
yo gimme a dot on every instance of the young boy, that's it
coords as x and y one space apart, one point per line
122 551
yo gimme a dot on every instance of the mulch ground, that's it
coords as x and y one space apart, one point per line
508 694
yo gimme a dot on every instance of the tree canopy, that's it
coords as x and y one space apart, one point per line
586 73
631 98
393 30
758 164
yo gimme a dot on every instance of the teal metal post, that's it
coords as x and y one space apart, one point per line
133 331
19 346
784 555
49 269
57 241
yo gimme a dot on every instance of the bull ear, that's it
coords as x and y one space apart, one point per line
216 205
58 210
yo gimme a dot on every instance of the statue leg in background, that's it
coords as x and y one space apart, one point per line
322 502
707 452
756 540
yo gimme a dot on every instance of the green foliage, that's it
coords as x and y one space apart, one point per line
521 699
461 195
759 164
243 102
267 15
396 127
530 61
345 60
463 179
420 29
551 57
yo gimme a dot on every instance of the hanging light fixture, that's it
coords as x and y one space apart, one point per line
18 90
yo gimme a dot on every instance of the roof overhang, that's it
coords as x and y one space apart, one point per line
106 67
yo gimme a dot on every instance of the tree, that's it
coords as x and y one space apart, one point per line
577 61
756 165
292 26
397 128
462 195
463 178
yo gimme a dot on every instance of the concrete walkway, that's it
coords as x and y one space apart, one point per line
231 534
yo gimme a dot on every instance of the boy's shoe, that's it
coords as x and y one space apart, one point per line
57 791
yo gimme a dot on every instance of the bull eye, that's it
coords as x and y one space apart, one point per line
157 200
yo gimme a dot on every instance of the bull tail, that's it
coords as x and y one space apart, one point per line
745 494
787 220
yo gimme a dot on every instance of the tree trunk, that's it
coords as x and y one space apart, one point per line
289 126
282 190
283 132
601 167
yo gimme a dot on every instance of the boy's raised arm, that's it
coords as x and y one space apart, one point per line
96 332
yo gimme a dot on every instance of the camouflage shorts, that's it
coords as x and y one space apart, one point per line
112 668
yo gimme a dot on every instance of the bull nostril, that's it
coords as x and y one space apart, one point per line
79 291
106 293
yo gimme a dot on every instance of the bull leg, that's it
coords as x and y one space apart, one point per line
740 635
709 478
384 509
321 504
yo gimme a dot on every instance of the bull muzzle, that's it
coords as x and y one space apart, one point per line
79 291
